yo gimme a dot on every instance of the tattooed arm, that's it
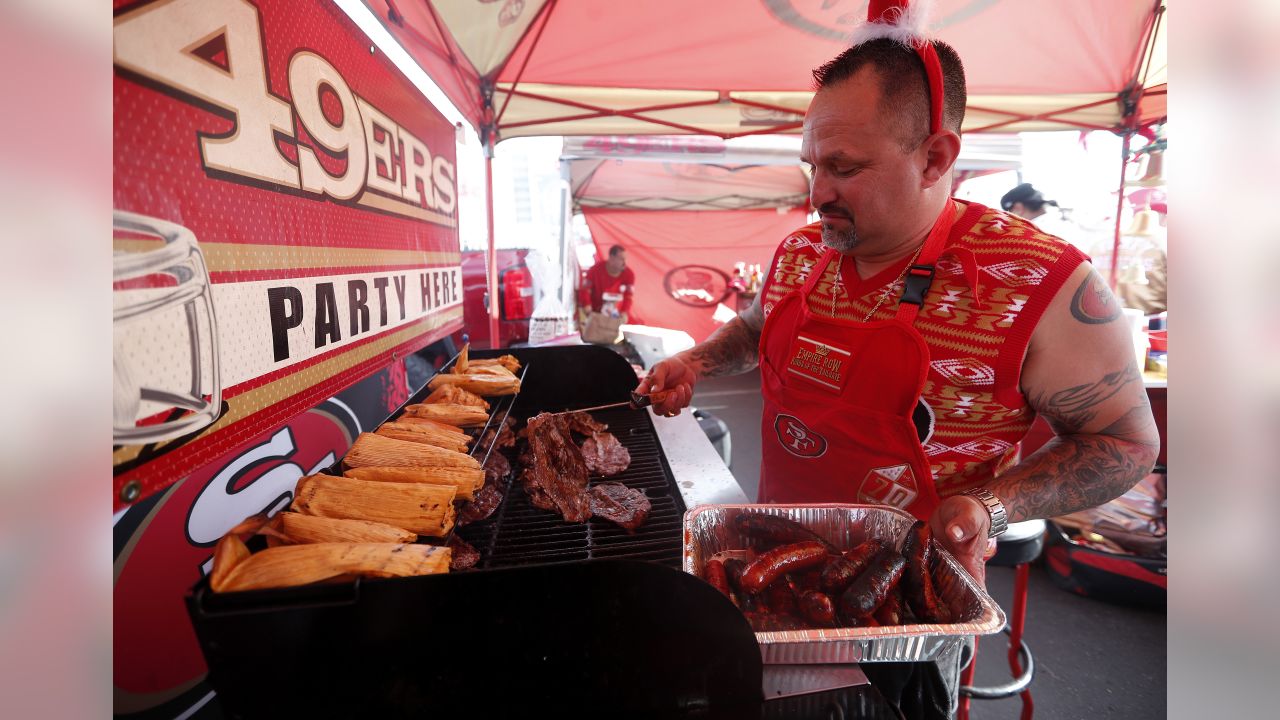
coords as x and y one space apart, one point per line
1080 374
730 350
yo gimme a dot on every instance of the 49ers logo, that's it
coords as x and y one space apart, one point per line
797 438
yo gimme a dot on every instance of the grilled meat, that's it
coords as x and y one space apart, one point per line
623 505
605 455
555 474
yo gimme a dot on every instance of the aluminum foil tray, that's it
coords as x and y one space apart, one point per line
707 530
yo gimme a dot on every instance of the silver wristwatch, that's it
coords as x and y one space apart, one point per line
995 508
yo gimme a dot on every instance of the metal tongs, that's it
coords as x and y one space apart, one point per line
638 401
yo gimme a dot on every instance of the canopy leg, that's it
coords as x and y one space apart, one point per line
491 257
1115 245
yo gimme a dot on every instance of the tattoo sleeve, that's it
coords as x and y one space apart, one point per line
1082 467
732 349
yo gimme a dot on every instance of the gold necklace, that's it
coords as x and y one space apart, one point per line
884 294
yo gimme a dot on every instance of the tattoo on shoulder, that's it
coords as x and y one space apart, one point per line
1072 409
1094 303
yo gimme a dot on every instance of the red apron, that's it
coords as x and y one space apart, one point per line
839 397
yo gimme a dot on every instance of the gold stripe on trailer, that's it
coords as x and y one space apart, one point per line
233 257
245 404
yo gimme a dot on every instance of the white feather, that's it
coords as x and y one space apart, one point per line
910 27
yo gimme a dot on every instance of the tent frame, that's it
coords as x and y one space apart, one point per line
491 126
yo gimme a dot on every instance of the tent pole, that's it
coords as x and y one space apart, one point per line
1115 245
491 257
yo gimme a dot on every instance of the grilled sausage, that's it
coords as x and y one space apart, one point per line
780 597
890 612
840 571
733 568
918 580
714 574
934 609
776 530
916 549
807 580
869 590
765 622
933 602
770 566
817 608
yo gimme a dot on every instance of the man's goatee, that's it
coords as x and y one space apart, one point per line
839 240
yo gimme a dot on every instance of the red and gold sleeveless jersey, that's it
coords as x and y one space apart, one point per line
977 340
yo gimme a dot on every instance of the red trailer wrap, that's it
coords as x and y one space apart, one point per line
285 234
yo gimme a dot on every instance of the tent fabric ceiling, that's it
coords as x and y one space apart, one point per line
737 67
640 185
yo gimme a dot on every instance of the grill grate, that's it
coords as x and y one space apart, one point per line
521 534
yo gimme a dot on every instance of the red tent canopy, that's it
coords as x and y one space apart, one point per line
736 67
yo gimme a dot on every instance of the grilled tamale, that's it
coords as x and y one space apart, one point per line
290 565
448 413
437 425
466 480
418 507
423 434
455 395
507 361
480 384
372 449
298 529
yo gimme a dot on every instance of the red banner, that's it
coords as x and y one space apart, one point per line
285 224
683 259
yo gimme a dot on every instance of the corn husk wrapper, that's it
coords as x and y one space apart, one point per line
450 414
298 529
486 385
494 370
466 480
291 565
423 434
229 553
507 361
418 507
453 430
464 359
454 395
372 449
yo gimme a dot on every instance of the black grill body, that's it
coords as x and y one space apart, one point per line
558 619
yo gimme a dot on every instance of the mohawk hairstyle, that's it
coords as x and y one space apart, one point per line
904 87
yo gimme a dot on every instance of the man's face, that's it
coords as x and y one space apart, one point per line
866 188
616 263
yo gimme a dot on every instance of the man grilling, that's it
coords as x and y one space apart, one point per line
908 340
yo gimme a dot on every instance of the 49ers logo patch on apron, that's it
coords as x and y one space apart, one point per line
797 438
826 365
893 485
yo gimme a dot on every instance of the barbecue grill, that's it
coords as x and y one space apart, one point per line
567 619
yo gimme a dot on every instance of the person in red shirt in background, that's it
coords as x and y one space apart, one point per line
607 287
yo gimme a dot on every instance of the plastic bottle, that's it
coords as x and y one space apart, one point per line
738 283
